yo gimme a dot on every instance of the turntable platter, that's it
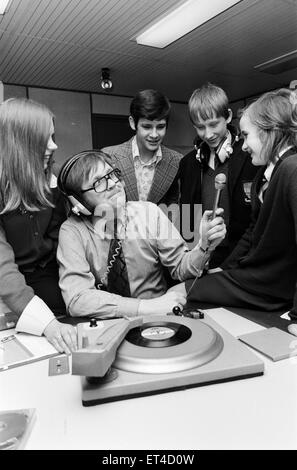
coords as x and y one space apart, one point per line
173 353
161 346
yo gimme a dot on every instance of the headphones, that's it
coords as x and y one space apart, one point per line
79 206
224 150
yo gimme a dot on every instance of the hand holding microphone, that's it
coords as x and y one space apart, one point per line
212 227
220 183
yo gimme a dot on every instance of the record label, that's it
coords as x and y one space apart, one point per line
162 346
159 334
156 333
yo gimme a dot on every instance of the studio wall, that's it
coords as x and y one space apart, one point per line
72 119
73 112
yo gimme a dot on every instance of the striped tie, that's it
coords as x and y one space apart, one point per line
117 278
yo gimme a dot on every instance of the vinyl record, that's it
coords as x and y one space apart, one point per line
161 346
159 334
12 427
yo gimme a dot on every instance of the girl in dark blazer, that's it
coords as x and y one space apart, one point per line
261 271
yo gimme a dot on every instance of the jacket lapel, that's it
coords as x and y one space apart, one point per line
257 183
163 177
125 162
289 152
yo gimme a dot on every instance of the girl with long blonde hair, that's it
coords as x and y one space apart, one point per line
31 212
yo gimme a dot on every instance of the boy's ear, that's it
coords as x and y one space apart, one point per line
229 118
132 123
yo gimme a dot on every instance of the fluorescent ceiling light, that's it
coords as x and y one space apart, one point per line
186 17
3 5
279 64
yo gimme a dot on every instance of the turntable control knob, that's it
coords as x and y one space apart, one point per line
93 322
176 310
201 315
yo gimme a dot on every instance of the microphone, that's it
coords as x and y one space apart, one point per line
220 182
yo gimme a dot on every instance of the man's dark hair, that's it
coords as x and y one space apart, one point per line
150 104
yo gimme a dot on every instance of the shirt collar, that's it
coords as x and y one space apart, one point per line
270 167
135 152
282 152
226 149
53 181
269 170
229 137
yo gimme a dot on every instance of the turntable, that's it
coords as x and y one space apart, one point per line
167 353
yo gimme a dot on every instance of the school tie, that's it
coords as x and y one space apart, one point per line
117 278
217 161
263 188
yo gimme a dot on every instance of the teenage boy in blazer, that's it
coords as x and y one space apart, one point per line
148 168
218 149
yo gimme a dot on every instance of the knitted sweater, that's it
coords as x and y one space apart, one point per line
27 240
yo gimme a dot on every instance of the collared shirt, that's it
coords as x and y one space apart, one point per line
144 171
270 167
268 172
151 241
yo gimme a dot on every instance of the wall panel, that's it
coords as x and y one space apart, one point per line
72 119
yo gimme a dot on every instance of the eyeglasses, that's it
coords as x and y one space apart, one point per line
101 184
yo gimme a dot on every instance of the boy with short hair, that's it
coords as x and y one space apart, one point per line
148 168
111 252
219 151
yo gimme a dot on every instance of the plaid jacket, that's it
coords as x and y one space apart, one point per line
164 189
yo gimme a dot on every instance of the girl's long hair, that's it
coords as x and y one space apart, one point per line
275 115
25 128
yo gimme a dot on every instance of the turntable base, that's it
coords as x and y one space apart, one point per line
172 353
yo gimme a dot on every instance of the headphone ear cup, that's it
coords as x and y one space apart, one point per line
77 207
202 154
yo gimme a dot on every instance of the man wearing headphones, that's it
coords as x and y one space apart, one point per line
111 252
217 150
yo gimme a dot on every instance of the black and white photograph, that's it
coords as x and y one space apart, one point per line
148 228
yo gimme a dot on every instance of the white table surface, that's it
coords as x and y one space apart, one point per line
256 413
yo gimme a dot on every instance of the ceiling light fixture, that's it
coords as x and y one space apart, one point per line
280 64
3 6
106 82
180 21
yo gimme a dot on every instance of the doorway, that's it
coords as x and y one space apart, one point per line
109 130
